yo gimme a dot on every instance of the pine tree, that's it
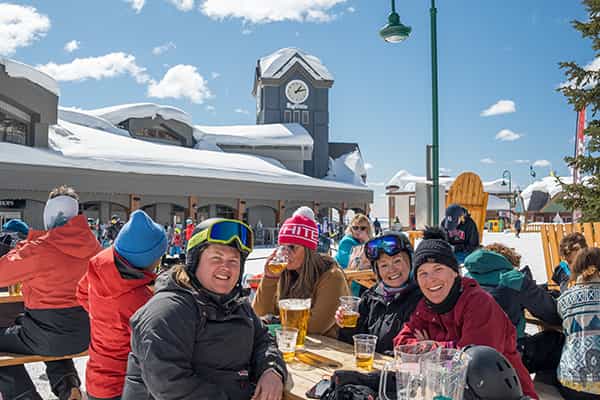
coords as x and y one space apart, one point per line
583 90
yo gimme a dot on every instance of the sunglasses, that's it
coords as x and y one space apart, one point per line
225 232
390 245
359 228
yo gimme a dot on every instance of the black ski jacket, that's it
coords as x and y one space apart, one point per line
465 238
188 344
381 318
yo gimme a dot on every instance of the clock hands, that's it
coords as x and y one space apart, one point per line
300 89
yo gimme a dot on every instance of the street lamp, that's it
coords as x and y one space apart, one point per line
395 32
507 175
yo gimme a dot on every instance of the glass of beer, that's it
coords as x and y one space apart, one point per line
279 262
286 342
15 290
294 313
349 306
364 350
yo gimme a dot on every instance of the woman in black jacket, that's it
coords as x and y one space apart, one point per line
198 337
386 306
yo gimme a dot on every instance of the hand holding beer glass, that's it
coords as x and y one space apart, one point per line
277 263
347 315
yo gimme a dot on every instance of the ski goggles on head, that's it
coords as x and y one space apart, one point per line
225 231
390 245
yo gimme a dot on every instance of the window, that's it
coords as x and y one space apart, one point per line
157 133
287 116
297 116
14 124
305 118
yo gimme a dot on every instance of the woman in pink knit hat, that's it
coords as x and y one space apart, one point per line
308 275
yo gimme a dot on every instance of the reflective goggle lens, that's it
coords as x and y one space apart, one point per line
226 231
390 245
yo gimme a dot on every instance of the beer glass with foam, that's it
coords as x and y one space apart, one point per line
294 313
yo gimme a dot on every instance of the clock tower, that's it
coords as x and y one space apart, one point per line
293 86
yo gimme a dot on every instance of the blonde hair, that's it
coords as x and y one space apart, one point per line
571 243
181 276
301 284
360 219
510 254
586 267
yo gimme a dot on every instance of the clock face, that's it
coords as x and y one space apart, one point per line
296 91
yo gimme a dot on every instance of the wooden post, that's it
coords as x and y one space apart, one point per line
279 213
343 210
367 209
134 202
392 209
191 209
315 206
241 209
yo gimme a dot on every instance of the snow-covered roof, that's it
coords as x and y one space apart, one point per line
120 113
496 186
406 182
549 185
348 168
77 146
255 135
15 69
82 117
277 64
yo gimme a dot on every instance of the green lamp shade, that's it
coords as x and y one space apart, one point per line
394 31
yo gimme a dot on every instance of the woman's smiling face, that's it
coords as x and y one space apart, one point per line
435 281
394 270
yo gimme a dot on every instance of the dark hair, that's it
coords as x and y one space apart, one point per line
63 190
587 265
572 242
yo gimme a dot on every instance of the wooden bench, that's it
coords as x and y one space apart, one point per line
5 297
365 277
9 359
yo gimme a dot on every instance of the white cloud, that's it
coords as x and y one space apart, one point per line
107 66
246 31
487 161
506 135
20 26
592 66
264 11
183 5
351 9
501 107
210 108
158 50
522 161
72 46
181 81
368 165
541 163
242 111
215 75
137 5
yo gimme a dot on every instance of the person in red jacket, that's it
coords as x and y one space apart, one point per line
115 286
456 311
49 264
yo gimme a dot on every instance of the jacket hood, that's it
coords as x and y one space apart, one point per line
74 239
484 261
107 280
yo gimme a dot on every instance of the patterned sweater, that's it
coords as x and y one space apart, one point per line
579 367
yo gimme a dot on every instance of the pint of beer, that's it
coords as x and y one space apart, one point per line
349 306
294 313
277 267
364 350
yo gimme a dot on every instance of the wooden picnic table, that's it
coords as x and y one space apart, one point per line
338 355
6 298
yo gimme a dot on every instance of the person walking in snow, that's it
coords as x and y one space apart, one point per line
377 227
114 287
49 264
518 227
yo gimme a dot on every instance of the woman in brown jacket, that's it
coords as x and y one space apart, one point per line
307 275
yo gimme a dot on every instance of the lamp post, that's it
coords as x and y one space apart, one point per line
394 32
507 175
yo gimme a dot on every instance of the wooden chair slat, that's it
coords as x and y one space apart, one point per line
588 233
596 226
11 359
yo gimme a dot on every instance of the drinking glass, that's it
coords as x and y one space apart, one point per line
364 350
349 306
286 342
279 262
295 313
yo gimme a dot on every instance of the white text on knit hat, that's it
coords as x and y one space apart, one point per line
300 231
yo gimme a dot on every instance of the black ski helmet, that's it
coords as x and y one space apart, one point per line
490 376
408 249
193 254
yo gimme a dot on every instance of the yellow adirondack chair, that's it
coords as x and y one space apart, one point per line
467 190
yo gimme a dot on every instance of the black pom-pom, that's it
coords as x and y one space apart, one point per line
434 232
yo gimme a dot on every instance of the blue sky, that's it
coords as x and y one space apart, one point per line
382 92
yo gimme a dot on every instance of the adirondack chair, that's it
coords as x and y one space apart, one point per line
467 190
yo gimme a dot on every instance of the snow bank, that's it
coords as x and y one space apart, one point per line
256 135
84 118
120 113
15 69
348 168
277 64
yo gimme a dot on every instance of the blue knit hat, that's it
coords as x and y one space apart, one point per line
141 241
16 225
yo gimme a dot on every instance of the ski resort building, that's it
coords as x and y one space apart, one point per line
154 157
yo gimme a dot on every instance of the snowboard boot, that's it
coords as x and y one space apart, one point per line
68 389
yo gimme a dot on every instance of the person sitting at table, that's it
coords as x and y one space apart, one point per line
308 275
357 233
385 307
49 264
569 247
114 287
495 269
455 310
198 337
579 368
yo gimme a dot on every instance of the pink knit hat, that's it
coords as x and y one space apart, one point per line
300 229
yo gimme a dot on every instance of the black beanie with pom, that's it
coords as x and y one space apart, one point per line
435 248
